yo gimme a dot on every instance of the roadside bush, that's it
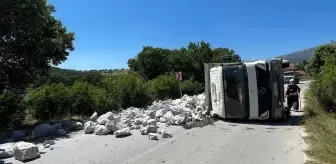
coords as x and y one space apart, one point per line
11 110
81 98
49 101
164 86
190 87
126 90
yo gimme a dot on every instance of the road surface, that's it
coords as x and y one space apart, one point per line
219 142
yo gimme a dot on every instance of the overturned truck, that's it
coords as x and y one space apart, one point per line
251 90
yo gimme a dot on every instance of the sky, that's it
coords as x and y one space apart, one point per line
109 32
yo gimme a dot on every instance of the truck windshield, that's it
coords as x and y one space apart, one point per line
288 73
234 84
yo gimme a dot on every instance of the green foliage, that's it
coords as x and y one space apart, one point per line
49 101
11 110
324 85
126 90
191 87
153 62
81 98
164 86
30 39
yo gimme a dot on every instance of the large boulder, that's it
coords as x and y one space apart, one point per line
18 135
43 130
144 131
159 113
101 130
152 129
122 132
169 116
151 122
6 150
166 134
57 126
94 117
179 119
25 151
151 114
104 118
153 136
60 132
111 125
89 127
137 121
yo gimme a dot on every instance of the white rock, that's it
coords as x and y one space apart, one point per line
144 131
6 150
159 113
101 130
94 117
18 135
46 146
104 118
25 151
169 115
199 109
152 129
166 134
137 121
43 130
130 115
151 114
178 119
111 125
163 119
48 142
89 127
152 122
153 136
79 125
122 132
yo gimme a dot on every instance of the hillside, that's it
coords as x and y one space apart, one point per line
302 55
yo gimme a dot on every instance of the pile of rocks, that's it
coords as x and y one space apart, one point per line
186 110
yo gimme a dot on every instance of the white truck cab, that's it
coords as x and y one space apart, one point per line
246 90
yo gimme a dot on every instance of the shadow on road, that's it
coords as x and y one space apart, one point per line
293 120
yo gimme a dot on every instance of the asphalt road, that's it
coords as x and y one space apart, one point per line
219 142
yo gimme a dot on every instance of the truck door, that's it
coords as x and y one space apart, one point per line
277 88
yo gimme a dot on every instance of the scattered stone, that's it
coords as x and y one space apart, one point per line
163 119
152 122
111 125
153 136
159 113
104 118
25 151
47 146
137 121
89 127
101 130
6 150
52 148
151 114
43 130
152 129
166 134
94 117
144 131
48 142
199 109
137 126
122 132
79 126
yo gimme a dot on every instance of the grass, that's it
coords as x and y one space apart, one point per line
321 129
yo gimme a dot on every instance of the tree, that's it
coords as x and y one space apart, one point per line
318 58
31 39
